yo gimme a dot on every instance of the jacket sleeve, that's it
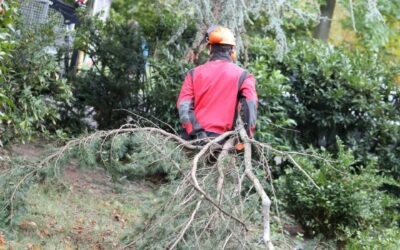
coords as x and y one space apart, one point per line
248 90
185 103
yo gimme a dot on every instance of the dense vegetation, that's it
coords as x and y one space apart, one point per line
341 103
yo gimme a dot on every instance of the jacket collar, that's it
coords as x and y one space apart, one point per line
221 56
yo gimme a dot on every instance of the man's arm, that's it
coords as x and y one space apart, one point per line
248 90
185 103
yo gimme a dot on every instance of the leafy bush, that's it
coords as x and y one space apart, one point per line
164 83
272 90
32 86
7 22
348 199
123 80
374 238
325 92
7 15
117 79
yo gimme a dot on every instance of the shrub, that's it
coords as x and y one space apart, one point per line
32 84
374 238
164 83
273 89
348 199
7 22
117 79
327 92
7 15
123 80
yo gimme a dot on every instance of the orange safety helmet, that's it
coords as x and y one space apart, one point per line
220 35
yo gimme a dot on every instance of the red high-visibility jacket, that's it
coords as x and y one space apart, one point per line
209 97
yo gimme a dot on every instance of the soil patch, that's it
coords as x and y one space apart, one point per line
31 150
95 181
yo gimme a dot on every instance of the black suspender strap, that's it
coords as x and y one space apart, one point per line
243 77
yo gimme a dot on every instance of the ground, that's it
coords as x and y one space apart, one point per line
85 210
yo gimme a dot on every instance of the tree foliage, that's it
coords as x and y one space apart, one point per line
158 23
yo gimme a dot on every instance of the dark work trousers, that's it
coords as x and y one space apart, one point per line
212 158
199 135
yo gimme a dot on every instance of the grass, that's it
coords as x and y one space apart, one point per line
78 216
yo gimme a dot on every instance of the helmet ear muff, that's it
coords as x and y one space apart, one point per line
215 37
233 54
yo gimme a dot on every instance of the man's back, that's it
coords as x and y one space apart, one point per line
215 87
212 91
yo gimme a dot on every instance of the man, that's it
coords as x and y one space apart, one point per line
209 98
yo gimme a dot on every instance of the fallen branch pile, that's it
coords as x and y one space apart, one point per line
212 203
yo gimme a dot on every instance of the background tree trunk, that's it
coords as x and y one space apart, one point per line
321 31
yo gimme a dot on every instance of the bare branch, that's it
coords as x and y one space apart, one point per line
182 233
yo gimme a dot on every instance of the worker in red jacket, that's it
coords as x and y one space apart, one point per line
209 99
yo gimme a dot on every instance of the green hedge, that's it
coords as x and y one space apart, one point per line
321 92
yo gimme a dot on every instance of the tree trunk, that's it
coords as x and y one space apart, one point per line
321 31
